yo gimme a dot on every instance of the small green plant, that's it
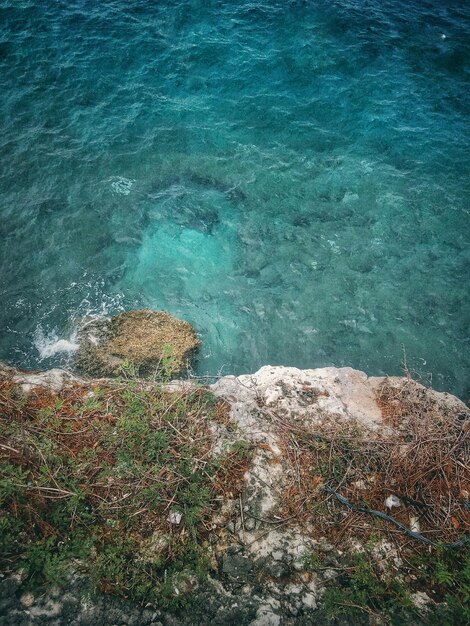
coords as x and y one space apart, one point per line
128 370
447 574
167 363
242 448
313 562
442 575
361 589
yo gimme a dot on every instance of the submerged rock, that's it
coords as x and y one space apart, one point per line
150 340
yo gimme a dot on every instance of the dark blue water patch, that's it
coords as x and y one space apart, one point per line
291 177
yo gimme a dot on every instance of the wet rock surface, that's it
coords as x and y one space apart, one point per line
150 340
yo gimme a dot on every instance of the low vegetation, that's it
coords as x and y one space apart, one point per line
422 460
122 484
366 589
118 482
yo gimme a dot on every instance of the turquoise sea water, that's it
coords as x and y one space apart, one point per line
291 177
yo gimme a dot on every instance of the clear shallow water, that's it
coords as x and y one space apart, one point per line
291 177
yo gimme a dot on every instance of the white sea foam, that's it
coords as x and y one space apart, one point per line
122 185
51 345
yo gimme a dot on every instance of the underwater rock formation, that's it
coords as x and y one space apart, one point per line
150 340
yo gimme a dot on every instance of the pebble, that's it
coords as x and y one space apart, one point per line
27 599
309 601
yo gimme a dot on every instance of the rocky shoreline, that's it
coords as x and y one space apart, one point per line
270 566
348 491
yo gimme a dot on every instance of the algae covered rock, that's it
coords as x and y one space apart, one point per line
150 340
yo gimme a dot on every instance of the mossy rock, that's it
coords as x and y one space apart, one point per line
150 340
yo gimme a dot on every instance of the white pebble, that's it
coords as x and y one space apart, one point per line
392 501
175 518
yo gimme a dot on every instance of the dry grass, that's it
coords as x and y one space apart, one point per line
425 463
151 340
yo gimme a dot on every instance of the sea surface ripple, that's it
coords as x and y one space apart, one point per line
292 177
